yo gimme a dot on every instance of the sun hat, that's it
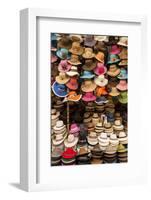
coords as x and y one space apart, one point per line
56 154
64 66
76 48
54 58
72 83
71 141
113 139
73 71
122 86
69 153
123 54
118 126
100 91
114 92
101 100
114 49
123 41
89 41
88 53
123 74
65 42
101 38
88 86
87 75
92 138
100 69
89 65
76 38
123 97
100 56
59 126
59 89
73 96
121 148
74 128
123 62
101 81
113 70
54 114
62 78
113 58
88 96
58 139
123 137
63 53
101 46
112 40
74 60
95 118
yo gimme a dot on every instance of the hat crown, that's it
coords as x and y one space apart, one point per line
103 135
100 55
122 134
87 83
59 124
108 125
122 82
113 136
101 77
114 90
117 122
76 46
70 138
73 126
74 58
93 134
88 51
89 94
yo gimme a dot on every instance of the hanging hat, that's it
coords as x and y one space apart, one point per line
73 96
74 128
76 38
123 62
69 153
88 86
122 86
63 54
73 71
92 138
74 60
112 40
113 70
114 49
100 56
101 81
71 141
101 38
58 139
123 54
59 89
54 114
123 41
113 139
123 97
53 58
62 78
65 42
100 69
89 65
88 96
87 75
76 48
101 100
123 137
100 46
88 53
100 91
89 41
114 92
64 66
117 125
113 58
73 83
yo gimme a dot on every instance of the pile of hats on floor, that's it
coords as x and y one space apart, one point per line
89 76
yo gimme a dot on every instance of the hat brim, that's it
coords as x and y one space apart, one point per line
88 57
102 61
55 91
100 83
113 62
70 73
88 77
80 52
72 144
62 81
122 44
74 63
90 89
75 98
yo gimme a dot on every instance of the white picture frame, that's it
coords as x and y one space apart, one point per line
28 94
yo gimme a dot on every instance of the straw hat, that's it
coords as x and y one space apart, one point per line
117 125
123 41
62 78
99 128
76 38
73 96
113 70
63 53
76 48
114 92
113 139
92 138
100 56
74 60
101 38
123 63
89 65
123 137
123 54
54 114
89 41
88 53
87 75
59 126
122 86
88 86
58 139
64 66
65 42
121 148
103 139
95 118
71 141
101 81
108 128
73 71
90 127
73 83
110 151
74 128
100 69
87 117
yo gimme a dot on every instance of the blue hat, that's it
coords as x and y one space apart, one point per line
113 58
123 74
110 117
63 54
101 100
87 75
59 90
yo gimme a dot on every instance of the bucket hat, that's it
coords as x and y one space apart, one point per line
100 69
65 42
64 66
100 56
123 54
113 58
117 125
71 141
69 153
87 75
73 71
101 38
62 78
92 138
123 41
123 97
101 100
123 62
73 96
72 83
88 86
76 38
63 54
74 60
114 92
114 49
59 90
89 65
88 96
88 53
113 70
76 48
89 41
101 81
74 128
123 137
122 86
101 91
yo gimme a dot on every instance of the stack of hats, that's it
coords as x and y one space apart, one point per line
99 128
54 117
83 156
95 119
90 107
56 157
92 139
69 156
108 128
118 126
87 117
110 154
122 153
97 155
103 141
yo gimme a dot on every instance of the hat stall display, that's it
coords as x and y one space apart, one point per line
122 86
87 75
63 54
101 81
64 66
88 96
76 48
74 60
100 69
89 65
59 89
89 41
88 53
73 71
88 86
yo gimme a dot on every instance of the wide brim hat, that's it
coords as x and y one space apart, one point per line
114 73
74 130
71 141
122 87
118 128
101 81
88 87
123 41
89 67
64 66
114 92
123 62
115 49
101 38
73 96
113 62
88 98
63 57
99 70
55 142
89 41
123 54
87 75
101 100
69 153
101 91
57 91
62 79
100 56
76 38
72 84
64 42
55 115
76 48
92 141
73 72
74 61
88 55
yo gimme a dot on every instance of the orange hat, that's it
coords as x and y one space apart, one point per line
73 96
101 91
100 56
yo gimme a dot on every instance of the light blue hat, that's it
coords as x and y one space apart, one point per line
123 74
63 54
113 58
87 75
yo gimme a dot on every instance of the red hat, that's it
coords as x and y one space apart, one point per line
115 49
72 84
69 153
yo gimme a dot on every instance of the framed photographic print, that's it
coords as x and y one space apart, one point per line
81 121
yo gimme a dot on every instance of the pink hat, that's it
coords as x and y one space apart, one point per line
115 49
122 85
89 96
74 128
64 66
100 69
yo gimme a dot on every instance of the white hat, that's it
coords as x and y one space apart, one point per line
58 139
59 125
73 71
92 138
54 114
101 81
123 137
113 139
71 141
117 125
103 139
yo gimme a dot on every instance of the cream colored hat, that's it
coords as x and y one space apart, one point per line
113 139
73 71
62 78
123 137
54 114
103 139
92 138
58 139
101 81
59 126
117 125
71 141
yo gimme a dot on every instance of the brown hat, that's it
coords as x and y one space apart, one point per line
65 42
88 53
89 65
88 86
74 60
123 53
76 48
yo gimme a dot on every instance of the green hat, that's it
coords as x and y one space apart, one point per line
121 148
123 97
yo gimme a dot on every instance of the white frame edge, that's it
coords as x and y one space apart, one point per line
28 81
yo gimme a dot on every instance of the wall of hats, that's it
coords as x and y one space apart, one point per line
88 99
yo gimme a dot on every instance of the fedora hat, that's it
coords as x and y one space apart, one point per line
73 96
74 60
73 83
76 48
54 58
63 54
87 75
122 86
88 96
89 65
59 90
71 141
114 140
62 78
58 139
123 54
99 127
118 126
123 97
54 114
74 128
88 53
114 92
89 41
69 153
101 81
88 86
76 38
100 56
73 71
101 38
123 62
100 91
123 41
65 42
100 69
92 138
59 126
64 66
113 58
103 139
101 100
123 137
114 49
113 70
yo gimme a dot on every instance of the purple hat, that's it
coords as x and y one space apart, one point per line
64 66
59 89
115 49
74 128
89 96
89 41
100 69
